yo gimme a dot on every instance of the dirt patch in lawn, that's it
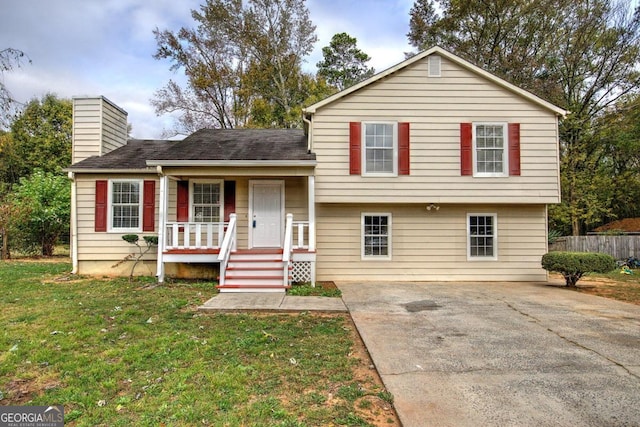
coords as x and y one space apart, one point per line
39 259
22 390
622 289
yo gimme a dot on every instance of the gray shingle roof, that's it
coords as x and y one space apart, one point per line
207 144
241 144
131 156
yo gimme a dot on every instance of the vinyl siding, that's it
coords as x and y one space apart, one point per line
98 127
109 246
295 201
435 107
431 245
104 246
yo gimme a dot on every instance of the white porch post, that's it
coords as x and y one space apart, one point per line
312 212
162 221
311 196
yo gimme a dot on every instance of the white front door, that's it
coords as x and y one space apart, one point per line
266 214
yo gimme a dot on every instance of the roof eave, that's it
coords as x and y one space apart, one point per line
233 163
109 170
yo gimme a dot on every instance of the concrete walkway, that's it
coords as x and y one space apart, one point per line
501 354
271 302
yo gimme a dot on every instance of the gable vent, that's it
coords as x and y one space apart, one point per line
434 66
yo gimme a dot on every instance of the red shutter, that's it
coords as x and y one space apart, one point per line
149 206
229 199
404 157
466 149
514 149
182 211
355 141
102 187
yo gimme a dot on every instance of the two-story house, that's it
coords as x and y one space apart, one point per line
431 170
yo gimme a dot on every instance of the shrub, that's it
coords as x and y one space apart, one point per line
573 265
44 200
149 241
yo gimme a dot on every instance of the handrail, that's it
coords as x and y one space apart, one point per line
228 244
287 248
288 238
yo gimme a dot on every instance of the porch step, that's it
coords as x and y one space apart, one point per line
255 270
252 288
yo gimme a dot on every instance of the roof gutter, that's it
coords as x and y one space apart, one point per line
233 163
108 170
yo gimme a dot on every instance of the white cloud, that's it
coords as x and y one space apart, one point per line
87 47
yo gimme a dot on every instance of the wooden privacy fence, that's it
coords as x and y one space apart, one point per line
619 247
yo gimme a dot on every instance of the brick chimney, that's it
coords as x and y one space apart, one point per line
99 126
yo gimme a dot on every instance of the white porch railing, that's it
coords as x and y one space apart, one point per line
228 245
193 235
300 235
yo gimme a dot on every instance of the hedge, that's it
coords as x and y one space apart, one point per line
573 265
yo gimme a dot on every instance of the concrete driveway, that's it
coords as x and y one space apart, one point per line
501 354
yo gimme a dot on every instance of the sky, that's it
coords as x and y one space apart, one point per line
106 47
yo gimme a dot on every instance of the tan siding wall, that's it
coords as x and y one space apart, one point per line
86 129
431 245
106 246
295 201
103 246
114 127
98 127
435 107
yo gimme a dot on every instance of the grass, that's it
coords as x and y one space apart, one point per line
615 285
322 289
118 353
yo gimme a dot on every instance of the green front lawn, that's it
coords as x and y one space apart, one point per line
119 353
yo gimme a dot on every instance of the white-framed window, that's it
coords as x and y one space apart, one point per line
376 235
380 148
490 148
482 236
125 205
205 200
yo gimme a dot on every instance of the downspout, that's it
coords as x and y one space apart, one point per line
310 135
74 224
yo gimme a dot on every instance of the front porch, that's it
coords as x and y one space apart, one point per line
257 248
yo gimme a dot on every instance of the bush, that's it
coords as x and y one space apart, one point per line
573 265
134 239
44 199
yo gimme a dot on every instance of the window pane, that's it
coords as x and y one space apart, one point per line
481 241
379 140
206 214
206 202
490 146
125 204
376 235
206 193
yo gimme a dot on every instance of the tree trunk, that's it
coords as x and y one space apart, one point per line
4 253
575 225
47 249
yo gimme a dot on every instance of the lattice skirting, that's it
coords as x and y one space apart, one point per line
301 271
